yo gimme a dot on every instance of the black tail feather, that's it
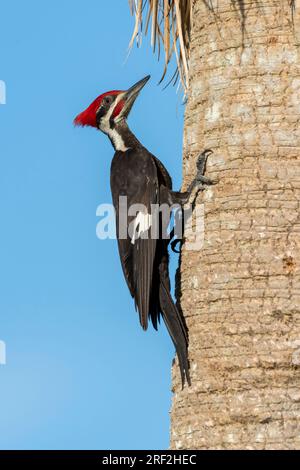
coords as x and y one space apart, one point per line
176 329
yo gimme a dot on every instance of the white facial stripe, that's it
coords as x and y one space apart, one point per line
113 133
142 223
105 127
117 140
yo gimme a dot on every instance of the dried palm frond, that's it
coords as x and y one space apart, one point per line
170 28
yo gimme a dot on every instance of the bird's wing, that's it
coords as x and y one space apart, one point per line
135 175
163 174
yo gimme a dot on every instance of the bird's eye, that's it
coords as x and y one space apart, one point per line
107 100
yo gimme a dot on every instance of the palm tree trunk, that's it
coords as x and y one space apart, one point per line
241 293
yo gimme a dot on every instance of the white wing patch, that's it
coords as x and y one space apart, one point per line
142 223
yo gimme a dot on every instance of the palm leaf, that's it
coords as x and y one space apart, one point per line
170 28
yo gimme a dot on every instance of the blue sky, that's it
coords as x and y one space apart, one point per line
80 372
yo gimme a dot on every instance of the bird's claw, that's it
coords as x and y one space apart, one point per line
201 182
204 180
201 166
202 159
174 244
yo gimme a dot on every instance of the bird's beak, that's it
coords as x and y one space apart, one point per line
130 96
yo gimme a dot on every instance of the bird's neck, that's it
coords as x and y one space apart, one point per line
122 138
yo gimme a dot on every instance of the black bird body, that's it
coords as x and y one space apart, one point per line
142 179
139 176
134 175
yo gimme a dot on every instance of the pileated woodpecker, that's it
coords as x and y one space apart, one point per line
140 176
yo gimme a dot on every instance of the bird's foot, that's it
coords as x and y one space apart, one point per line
174 243
202 159
199 184
201 167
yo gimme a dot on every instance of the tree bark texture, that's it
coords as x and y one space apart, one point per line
240 293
